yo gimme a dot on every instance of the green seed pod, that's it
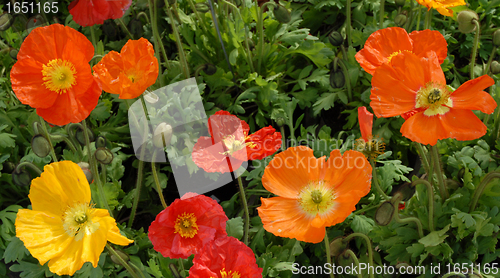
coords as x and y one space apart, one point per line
337 246
337 78
6 20
35 21
495 69
466 21
86 170
162 135
100 142
335 38
209 69
400 20
103 155
135 27
40 145
400 3
384 214
280 121
202 7
122 255
282 14
13 53
21 177
496 38
80 136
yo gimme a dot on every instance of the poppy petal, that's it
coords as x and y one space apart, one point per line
426 40
350 172
471 96
365 119
266 142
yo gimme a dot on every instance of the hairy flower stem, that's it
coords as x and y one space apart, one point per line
381 15
439 172
418 17
375 181
368 246
347 79
153 12
200 18
348 22
283 138
122 262
474 49
29 165
488 65
47 136
411 17
430 197
407 220
122 24
94 171
328 253
157 181
260 26
138 187
66 140
480 188
354 258
422 152
180 49
245 208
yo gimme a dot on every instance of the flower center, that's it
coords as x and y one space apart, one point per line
230 274
396 53
233 145
435 98
316 198
77 221
371 148
59 75
185 225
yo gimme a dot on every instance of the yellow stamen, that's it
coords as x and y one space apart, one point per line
316 198
59 75
230 274
77 221
185 225
435 98
396 53
233 145
371 149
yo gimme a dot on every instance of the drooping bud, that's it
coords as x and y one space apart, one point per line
21 177
400 20
466 21
346 259
496 38
103 155
280 121
282 14
495 67
35 21
100 142
86 170
162 135
337 246
210 69
400 3
80 136
40 145
335 38
13 53
337 78
384 214
202 7
6 20
122 255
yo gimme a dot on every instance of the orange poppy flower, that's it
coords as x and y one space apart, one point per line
91 12
384 44
416 89
130 72
52 74
442 6
229 144
313 193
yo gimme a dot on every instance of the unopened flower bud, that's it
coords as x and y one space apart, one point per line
40 145
162 135
6 20
210 69
100 142
13 53
406 191
400 20
282 14
346 259
280 121
384 214
122 255
335 38
86 170
496 38
495 69
466 21
21 177
80 136
35 21
103 155
337 246
400 3
202 7
337 78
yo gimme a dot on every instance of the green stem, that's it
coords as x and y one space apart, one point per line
375 181
328 256
428 18
430 197
158 43
66 140
347 79
439 172
200 19
245 208
368 246
181 266
474 49
260 26
122 262
381 15
353 256
411 17
424 158
29 165
93 38
348 22
122 24
47 136
479 190
418 17
283 138
94 171
492 55
407 220
180 49
137 187
157 181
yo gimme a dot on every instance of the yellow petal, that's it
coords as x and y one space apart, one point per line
113 234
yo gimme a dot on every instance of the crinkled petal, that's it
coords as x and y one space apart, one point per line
426 41
471 96
267 141
365 119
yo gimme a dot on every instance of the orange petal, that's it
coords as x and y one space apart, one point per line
290 171
365 119
283 217
349 173
471 96
382 44
426 40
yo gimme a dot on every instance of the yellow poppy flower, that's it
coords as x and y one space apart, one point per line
442 6
63 227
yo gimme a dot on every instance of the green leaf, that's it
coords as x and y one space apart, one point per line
324 102
234 227
362 224
6 139
15 250
435 238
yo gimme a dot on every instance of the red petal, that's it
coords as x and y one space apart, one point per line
365 119
471 96
426 41
266 141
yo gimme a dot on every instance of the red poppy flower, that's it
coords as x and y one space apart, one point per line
52 74
91 12
313 193
186 225
130 72
384 44
225 257
230 142
416 88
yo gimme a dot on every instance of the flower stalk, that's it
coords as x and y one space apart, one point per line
430 197
368 247
182 55
375 181
157 181
439 172
122 262
245 208
474 49
328 253
479 190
